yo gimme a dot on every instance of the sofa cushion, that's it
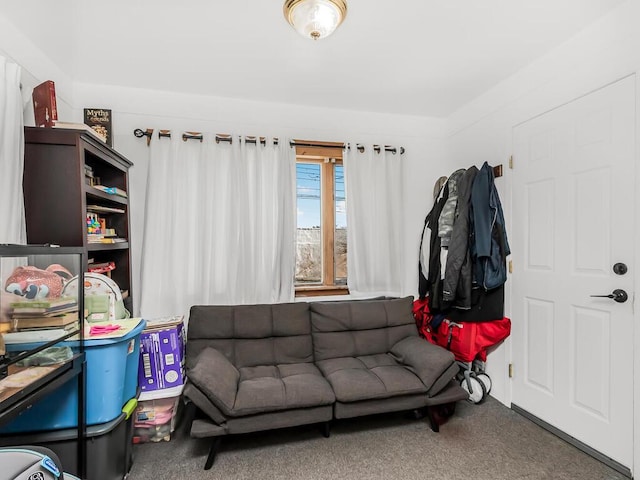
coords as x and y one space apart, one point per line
426 360
367 377
203 402
360 328
269 388
379 405
279 419
216 377
252 335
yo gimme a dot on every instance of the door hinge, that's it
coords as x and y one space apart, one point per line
510 266
511 162
511 370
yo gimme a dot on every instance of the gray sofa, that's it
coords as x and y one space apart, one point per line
260 367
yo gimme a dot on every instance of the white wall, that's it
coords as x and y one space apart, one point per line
137 108
36 68
603 53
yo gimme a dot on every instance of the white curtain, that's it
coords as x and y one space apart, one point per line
12 223
373 183
219 225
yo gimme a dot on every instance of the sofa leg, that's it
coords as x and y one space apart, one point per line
189 413
326 429
212 452
433 421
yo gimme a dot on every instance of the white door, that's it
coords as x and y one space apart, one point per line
573 220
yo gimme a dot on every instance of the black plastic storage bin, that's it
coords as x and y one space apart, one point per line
109 447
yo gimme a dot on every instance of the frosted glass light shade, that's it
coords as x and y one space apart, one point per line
315 19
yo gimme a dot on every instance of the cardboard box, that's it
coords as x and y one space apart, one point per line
162 357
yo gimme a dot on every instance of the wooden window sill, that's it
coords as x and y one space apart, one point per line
321 291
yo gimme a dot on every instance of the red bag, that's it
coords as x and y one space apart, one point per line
422 316
470 340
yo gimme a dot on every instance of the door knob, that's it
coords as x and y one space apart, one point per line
620 268
617 295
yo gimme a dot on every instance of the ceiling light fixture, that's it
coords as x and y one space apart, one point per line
315 19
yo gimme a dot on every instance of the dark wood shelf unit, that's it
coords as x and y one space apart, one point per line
57 195
93 192
98 247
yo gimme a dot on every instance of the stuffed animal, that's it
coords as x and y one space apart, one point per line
32 282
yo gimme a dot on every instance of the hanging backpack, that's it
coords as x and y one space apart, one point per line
102 297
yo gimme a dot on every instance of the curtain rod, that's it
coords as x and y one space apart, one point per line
263 141
360 147
138 132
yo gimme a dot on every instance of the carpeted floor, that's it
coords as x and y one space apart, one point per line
487 441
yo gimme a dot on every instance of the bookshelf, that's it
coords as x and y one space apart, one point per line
59 196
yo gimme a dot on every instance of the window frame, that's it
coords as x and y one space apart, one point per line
327 155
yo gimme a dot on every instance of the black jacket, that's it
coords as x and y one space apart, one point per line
456 287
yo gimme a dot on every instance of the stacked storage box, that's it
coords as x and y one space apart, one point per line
161 378
155 418
108 446
111 391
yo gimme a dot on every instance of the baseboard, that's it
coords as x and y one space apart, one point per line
618 467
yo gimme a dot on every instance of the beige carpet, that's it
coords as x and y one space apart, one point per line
479 442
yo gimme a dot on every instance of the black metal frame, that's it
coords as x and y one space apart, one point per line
76 367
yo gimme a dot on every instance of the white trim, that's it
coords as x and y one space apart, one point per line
636 297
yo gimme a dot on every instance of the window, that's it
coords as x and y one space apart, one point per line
321 245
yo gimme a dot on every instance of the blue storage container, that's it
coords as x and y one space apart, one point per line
108 446
112 379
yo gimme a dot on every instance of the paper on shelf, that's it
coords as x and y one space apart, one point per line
33 336
25 377
126 325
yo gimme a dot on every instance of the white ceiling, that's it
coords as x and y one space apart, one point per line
419 57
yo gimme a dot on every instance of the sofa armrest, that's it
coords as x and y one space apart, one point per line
426 360
194 395
216 377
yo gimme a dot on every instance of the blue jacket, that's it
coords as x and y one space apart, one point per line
489 246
